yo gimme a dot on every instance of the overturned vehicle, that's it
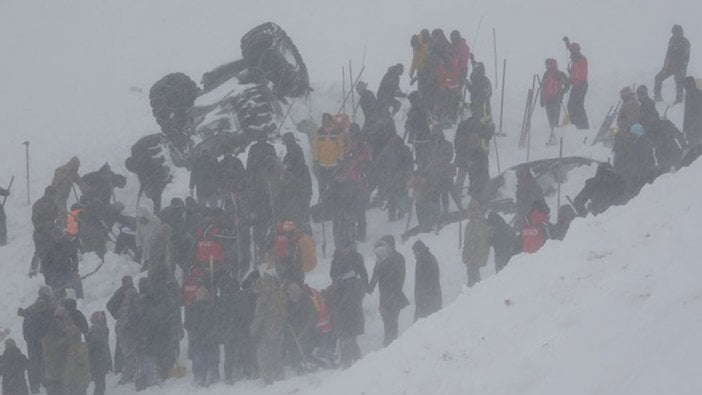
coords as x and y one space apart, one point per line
235 104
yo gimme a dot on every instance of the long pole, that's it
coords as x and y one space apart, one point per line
26 156
355 82
560 157
477 33
497 155
502 98
494 50
353 97
343 88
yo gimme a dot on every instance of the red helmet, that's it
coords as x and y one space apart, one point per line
575 47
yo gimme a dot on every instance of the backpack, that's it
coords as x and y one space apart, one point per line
307 252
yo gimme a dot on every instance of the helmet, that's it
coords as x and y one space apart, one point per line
575 47
551 63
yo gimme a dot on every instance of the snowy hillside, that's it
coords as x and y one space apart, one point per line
613 309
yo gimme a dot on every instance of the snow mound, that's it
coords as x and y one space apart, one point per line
612 309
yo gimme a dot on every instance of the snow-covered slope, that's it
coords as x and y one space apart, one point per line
613 309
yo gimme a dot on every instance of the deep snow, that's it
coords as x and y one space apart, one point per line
579 321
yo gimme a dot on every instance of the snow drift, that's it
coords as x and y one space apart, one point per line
612 309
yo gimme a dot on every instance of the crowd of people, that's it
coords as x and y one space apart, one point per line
225 267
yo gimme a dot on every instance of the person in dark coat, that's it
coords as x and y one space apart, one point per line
296 189
149 165
261 154
233 320
668 142
427 285
417 129
604 190
577 71
389 89
368 104
203 341
503 240
480 89
60 268
395 165
99 185
675 64
389 275
44 218
692 120
629 112
441 169
13 364
471 158
566 215
76 315
356 168
114 307
647 107
349 282
3 219
182 239
99 351
634 158
204 177
34 326
231 173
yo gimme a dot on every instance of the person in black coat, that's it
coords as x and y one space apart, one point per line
34 326
204 177
202 338
99 353
634 158
647 109
233 320
503 240
692 120
152 329
668 142
389 275
675 64
61 266
76 315
389 89
349 282
294 198
604 190
417 128
471 158
395 165
181 239
368 104
480 89
261 154
231 173
427 286
12 367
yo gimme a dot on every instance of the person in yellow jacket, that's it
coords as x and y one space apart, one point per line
328 149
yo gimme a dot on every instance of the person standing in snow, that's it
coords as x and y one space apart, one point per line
503 240
480 89
417 129
648 111
349 283
634 158
427 285
328 148
554 86
13 364
202 339
389 90
577 70
460 52
471 158
64 178
420 49
99 351
369 105
389 275
675 64
395 166
204 177
476 245
296 190
692 120
441 169
34 327
528 192
44 218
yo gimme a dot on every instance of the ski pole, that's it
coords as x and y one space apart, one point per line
352 87
477 33
560 158
494 48
26 155
343 89
502 98
353 97
9 187
324 240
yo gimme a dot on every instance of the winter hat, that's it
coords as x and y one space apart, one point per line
642 91
389 241
575 47
382 252
288 138
551 63
419 246
177 202
637 130
677 29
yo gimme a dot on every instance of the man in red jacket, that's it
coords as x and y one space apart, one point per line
554 85
578 80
